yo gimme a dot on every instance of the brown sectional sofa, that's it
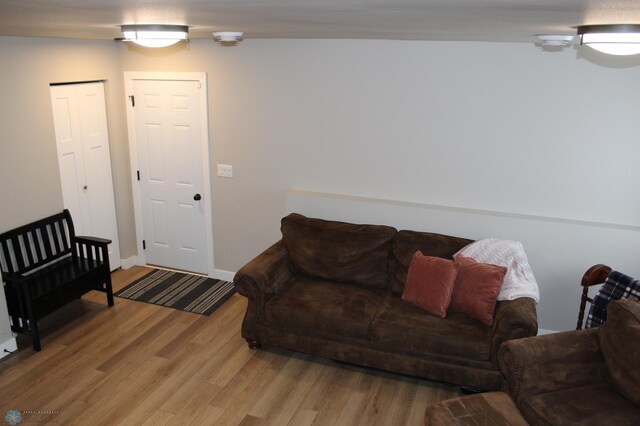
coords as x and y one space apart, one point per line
333 289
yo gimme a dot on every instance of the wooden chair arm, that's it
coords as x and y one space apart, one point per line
595 275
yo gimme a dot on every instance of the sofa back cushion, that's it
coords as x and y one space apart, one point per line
620 343
339 251
406 243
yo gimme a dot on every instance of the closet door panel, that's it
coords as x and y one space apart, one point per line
82 139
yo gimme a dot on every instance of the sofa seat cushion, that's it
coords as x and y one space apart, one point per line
322 308
402 327
339 251
585 405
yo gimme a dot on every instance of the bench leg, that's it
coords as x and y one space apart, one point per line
35 337
33 322
109 289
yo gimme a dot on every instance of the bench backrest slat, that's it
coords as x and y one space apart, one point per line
5 265
32 255
30 246
17 252
46 241
38 245
58 230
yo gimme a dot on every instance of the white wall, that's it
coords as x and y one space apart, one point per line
503 127
28 161
494 126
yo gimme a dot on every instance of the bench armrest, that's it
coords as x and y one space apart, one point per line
92 248
551 362
261 279
92 240
513 319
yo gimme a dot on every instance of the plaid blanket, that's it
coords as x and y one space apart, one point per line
617 286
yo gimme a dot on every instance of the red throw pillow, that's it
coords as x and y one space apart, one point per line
476 289
429 283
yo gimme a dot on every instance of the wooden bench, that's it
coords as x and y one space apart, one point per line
45 265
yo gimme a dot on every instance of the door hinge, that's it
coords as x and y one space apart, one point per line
138 173
133 100
144 245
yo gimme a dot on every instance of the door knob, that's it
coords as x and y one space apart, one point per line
197 197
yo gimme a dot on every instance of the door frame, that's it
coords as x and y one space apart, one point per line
200 77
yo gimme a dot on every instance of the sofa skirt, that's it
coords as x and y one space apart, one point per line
458 371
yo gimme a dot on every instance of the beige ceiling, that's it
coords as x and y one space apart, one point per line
484 20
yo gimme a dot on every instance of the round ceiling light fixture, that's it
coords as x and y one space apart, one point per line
228 37
623 39
154 35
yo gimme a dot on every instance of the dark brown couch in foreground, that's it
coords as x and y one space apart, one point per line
333 289
585 377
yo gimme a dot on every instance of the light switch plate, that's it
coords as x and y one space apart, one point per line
225 170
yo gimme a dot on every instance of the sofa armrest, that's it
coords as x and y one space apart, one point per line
513 319
266 273
551 362
259 280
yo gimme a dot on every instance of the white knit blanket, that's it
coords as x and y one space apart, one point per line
519 280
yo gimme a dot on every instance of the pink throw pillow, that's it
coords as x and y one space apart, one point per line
476 289
430 283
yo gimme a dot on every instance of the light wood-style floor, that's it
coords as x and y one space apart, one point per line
141 364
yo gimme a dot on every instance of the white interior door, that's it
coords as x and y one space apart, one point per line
171 177
82 139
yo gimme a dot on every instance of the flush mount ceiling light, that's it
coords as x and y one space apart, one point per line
228 37
611 39
155 35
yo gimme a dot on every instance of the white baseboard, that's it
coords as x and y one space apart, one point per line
9 345
128 263
542 331
219 274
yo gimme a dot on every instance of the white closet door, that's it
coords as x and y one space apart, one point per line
80 120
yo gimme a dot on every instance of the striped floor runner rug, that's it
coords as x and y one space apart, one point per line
186 292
